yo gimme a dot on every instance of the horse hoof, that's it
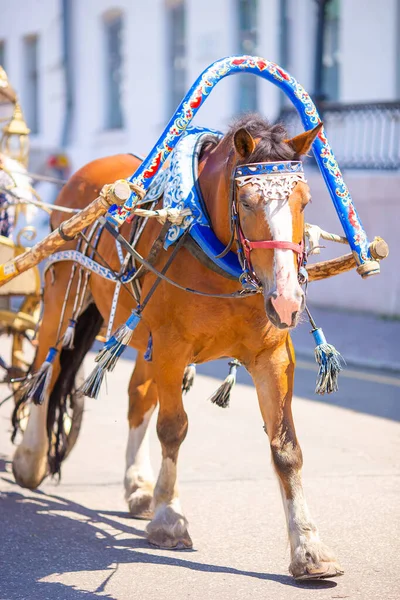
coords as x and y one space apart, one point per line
323 570
29 467
140 504
162 539
169 530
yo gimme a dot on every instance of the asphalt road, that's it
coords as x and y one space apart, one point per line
75 540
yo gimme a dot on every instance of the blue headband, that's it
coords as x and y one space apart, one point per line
269 168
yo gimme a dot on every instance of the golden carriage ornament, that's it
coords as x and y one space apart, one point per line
19 322
20 298
15 139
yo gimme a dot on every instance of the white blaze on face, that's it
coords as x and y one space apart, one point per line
288 300
138 465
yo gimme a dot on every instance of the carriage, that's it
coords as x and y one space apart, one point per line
18 319
20 298
223 223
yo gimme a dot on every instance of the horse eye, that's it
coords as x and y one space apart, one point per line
246 205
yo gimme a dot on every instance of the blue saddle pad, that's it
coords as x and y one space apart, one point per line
179 185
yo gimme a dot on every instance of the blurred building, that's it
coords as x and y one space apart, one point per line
98 77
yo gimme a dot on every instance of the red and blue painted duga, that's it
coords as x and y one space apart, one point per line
309 115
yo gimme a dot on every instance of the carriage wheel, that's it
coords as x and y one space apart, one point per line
23 332
66 423
22 355
77 406
22 350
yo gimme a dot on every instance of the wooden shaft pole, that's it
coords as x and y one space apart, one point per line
116 193
329 268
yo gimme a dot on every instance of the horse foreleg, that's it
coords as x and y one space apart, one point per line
168 529
139 479
273 375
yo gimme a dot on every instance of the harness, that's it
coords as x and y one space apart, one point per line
180 189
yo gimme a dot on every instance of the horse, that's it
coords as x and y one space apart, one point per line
255 330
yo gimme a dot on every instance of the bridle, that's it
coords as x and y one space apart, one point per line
276 180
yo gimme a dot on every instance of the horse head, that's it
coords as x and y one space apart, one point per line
270 194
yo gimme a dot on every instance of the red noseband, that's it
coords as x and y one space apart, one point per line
248 246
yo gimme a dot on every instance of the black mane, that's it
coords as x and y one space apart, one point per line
271 146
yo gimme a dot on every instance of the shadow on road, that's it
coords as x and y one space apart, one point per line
46 535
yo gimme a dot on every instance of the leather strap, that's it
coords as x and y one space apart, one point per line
199 254
248 246
273 244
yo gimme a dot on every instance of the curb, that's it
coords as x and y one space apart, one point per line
352 361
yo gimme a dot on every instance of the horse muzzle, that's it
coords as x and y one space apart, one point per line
282 311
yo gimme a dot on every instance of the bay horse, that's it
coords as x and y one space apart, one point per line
191 329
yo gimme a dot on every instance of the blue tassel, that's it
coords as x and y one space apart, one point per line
37 384
330 364
108 357
148 355
69 335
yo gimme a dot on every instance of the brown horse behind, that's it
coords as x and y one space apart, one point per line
191 329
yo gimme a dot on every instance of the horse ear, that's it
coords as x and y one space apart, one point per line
244 143
302 143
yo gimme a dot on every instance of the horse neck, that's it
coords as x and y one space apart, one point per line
215 169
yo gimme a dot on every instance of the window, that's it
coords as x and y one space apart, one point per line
248 84
113 79
2 54
31 86
176 21
330 60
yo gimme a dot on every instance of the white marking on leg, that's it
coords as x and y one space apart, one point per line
166 489
308 554
30 458
138 465
169 525
35 435
301 528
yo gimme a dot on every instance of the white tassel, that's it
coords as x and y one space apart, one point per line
188 378
69 335
108 357
92 385
221 396
330 363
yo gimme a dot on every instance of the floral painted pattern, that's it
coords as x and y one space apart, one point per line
308 113
180 190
